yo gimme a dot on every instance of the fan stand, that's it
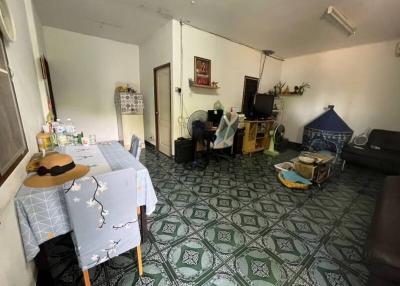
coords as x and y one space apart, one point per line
196 163
271 149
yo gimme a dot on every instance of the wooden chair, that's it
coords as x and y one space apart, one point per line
103 218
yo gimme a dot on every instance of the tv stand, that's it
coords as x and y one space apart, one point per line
256 135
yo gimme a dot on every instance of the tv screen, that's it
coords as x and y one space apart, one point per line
263 105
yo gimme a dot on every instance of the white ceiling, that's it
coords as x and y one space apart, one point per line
289 27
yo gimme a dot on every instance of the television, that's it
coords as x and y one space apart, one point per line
263 105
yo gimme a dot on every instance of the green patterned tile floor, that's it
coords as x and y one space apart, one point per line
235 224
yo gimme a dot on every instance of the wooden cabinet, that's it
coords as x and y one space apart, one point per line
256 135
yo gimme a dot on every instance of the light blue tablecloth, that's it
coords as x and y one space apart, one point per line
42 212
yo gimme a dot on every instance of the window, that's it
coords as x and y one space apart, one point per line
13 146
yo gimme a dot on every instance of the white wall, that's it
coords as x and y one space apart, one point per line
14 269
154 52
37 39
85 71
363 83
230 62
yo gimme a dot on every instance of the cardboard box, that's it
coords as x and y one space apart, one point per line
307 171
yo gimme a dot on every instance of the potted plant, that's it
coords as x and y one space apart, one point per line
302 87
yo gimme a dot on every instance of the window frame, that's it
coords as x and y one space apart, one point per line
6 70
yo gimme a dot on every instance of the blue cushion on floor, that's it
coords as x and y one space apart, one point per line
293 177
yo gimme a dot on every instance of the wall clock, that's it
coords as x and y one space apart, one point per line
397 50
7 25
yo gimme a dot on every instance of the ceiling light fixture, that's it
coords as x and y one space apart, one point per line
271 54
341 20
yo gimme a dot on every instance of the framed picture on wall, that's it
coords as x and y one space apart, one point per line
202 71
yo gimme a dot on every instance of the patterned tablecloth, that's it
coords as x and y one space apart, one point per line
42 212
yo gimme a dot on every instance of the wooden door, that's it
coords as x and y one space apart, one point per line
162 96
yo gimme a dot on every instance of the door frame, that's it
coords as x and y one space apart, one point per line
156 110
49 87
244 85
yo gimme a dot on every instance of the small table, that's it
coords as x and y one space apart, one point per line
317 172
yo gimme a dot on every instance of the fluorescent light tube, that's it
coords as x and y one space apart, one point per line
341 20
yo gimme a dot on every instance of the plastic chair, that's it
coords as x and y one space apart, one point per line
321 145
135 147
324 146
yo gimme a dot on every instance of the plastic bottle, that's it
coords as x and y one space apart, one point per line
69 126
70 131
62 139
59 126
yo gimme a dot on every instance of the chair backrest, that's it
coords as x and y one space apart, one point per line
102 212
226 131
135 147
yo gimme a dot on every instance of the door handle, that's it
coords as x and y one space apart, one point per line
156 112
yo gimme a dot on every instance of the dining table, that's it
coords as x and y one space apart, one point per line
42 212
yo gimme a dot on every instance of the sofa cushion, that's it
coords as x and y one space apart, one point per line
386 140
383 247
372 153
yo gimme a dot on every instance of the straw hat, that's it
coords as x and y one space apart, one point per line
56 169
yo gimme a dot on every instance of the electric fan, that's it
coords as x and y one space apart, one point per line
196 128
198 115
276 133
362 139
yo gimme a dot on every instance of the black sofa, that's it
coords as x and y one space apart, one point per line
383 247
381 152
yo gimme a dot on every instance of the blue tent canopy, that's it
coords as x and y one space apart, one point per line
329 121
327 131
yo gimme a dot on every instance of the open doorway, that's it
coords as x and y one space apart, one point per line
250 88
162 100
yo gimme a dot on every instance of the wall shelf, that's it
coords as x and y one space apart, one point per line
192 84
289 94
